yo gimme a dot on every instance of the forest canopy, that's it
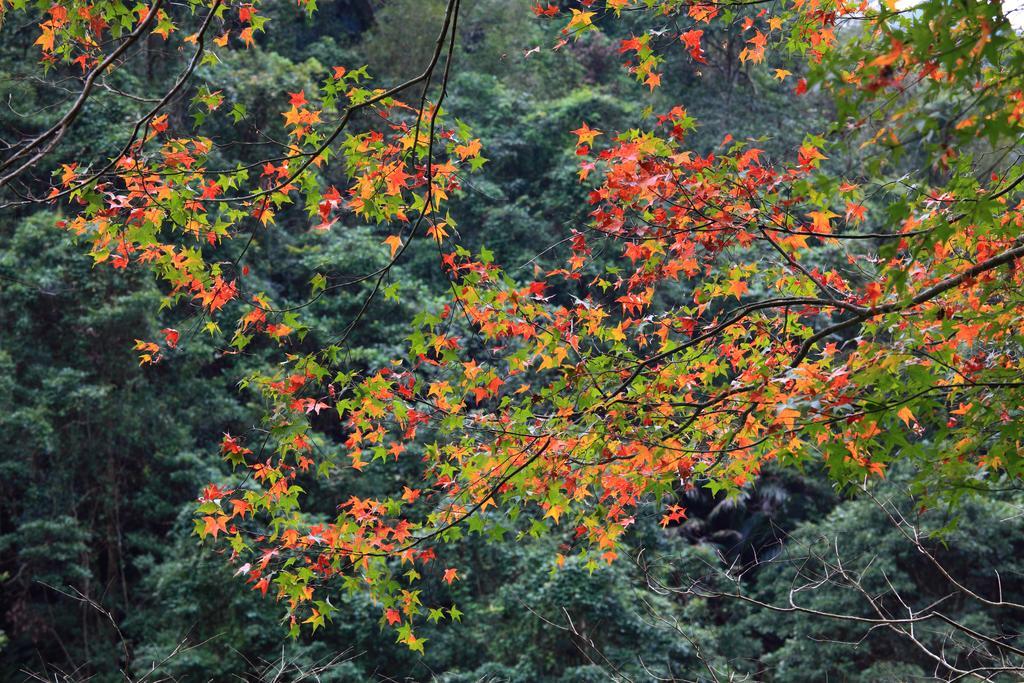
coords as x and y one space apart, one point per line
582 340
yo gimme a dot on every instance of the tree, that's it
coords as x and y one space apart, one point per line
853 299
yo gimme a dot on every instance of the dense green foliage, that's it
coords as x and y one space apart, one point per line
101 459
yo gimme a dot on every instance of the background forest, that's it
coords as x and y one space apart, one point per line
101 459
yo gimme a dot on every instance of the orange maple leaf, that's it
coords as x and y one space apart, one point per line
214 525
395 242
470 149
586 135
738 288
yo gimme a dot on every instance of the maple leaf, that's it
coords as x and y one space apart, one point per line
394 242
470 149
240 507
748 158
738 288
855 212
781 74
809 156
159 124
632 44
691 39
315 406
213 525
46 38
906 415
673 513
220 294
437 231
214 493
967 333
585 135
415 644
873 292
580 21
703 12
316 619
171 337
68 173
149 350
450 574
393 616
554 512
821 221
263 213
755 52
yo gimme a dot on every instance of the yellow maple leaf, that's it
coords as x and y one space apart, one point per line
580 21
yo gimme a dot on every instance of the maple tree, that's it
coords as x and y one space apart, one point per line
854 302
